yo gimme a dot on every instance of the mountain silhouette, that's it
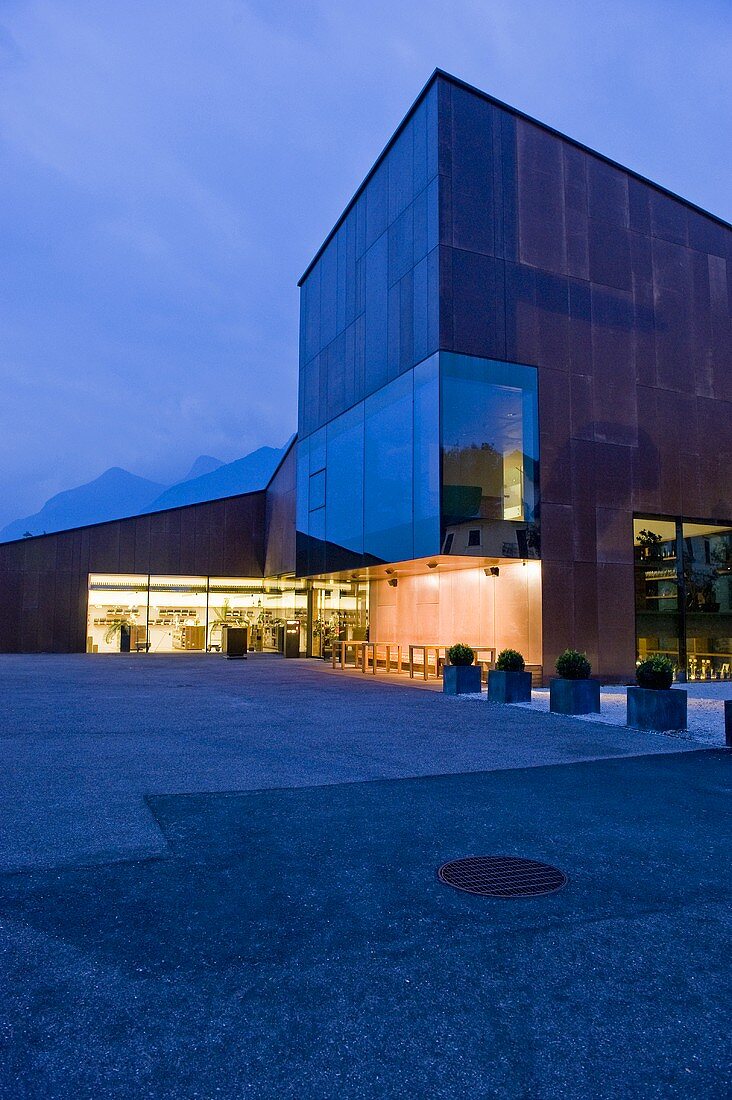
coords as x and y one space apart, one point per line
204 464
117 493
112 495
245 475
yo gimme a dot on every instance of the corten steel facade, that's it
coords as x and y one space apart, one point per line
483 233
490 276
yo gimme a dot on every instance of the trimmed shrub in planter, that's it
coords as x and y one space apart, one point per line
510 660
653 705
460 654
573 665
573 691
655 672
461 676
508 682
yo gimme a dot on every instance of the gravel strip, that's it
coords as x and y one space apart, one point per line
705 711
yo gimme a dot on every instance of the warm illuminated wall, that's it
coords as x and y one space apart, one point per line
443 607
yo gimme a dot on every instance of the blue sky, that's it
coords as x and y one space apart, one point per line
167 170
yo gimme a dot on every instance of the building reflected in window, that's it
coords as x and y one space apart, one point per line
489 458
683 595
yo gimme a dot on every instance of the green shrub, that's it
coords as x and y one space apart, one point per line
460 654
573 665
510 660
655 672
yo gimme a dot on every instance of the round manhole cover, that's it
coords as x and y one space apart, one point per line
502 876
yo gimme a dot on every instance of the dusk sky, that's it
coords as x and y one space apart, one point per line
169 168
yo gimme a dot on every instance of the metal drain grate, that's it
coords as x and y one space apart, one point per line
501 876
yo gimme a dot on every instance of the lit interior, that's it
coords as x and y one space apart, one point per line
166 614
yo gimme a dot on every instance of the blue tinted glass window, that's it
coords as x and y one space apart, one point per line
388 492
344 508
317 490
302 505
317 451
317 524
426 458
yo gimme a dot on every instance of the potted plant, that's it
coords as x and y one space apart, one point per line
572 690
508 682
461 676
652 704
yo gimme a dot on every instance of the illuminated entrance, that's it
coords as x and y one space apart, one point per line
489 602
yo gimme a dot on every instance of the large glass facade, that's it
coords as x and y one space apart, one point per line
389 471
490 454
368 482
683 594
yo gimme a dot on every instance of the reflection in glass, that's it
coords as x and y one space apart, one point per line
656 588
317 490
707 566
388 469
683 595
489 457
426 458
344 518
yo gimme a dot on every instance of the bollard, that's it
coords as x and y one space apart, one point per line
728 723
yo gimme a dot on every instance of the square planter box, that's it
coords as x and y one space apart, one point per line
574 696
509 687
649 709
461 679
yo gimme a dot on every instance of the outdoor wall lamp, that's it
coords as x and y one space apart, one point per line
393 582
492 571
432 564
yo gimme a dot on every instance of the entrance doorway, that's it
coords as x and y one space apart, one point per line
339 613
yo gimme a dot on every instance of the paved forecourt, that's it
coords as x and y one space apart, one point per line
86 738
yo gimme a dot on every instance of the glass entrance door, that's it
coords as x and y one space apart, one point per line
339 613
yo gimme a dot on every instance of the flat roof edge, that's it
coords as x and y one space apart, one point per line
441 74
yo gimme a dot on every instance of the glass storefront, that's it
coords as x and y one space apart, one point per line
683 594
156 614
117 613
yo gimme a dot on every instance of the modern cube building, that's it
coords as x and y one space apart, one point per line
515 421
